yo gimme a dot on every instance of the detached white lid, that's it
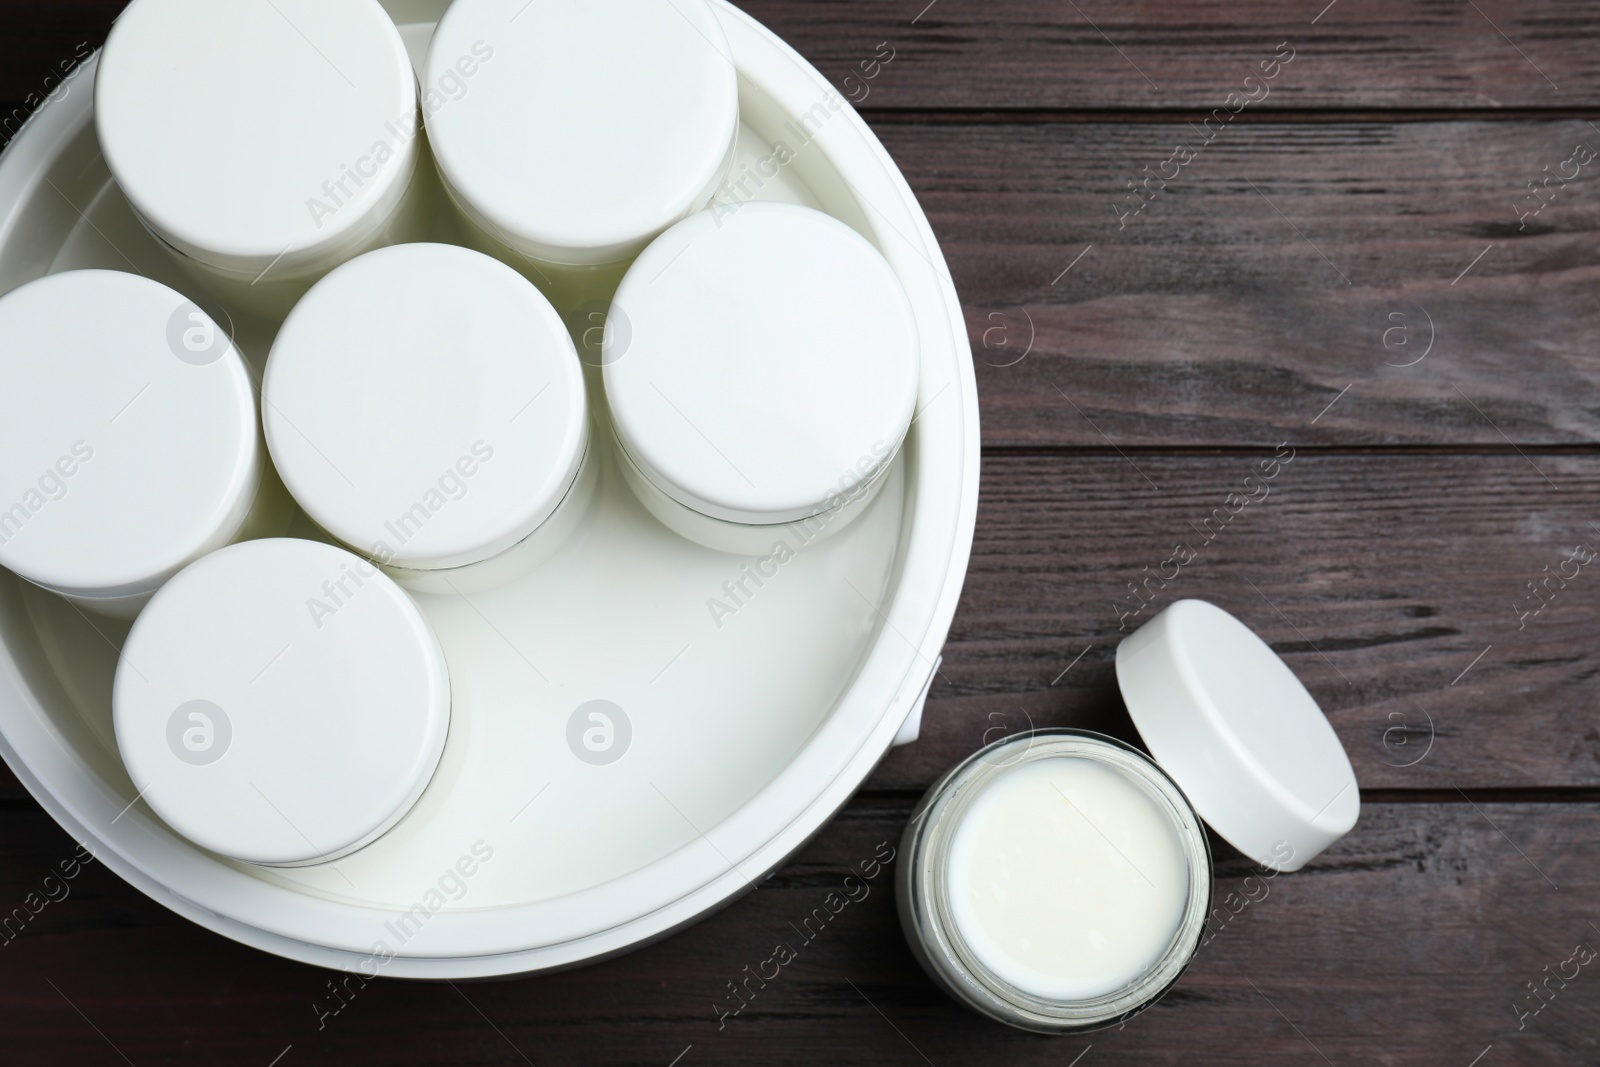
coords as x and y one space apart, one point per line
424 403
577 130
128 440
251 133
281 702
1229 721
763 363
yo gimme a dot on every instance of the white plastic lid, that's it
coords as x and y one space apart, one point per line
764 365
281 702
425 405
128 440
1233 726
577 130
257 133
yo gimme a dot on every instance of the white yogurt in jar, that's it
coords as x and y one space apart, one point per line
1067 879
1057 881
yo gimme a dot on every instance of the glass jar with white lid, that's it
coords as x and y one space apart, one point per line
262 143
1060 880
281 702
425 405
129 439
582 130
761 369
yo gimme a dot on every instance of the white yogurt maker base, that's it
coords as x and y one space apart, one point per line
588 859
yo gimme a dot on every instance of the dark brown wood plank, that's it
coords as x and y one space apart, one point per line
1041 54
1221 313
36 40
1038 53
1380 578
1410 942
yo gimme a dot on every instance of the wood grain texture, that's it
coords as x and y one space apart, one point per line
1283 265
1409 943
1097 56
1379 578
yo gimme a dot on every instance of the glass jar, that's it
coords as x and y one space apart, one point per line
569 133
761 370
1143 913
281 702
1060 880
262 143
426 406
129 442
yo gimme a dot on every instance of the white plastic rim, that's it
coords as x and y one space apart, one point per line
426 406
942 461
128 439
577 130
252 135
1228 719
770 367
281 702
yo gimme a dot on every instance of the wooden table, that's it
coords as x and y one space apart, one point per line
1347 261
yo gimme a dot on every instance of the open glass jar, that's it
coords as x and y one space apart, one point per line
1156 903
1060 880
